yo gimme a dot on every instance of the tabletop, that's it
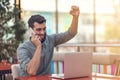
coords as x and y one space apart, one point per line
4 68
94 77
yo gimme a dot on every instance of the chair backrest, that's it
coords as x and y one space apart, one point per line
15 68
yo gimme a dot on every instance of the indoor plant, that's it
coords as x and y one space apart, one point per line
12 29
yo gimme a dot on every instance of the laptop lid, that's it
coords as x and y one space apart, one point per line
76 64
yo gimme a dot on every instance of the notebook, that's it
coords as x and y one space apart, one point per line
76 65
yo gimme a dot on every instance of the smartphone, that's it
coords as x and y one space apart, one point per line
31 31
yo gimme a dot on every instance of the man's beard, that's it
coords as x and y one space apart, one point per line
43 38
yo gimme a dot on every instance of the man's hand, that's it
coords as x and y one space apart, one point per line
35 40
75 11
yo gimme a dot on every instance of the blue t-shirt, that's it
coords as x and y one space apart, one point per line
25 52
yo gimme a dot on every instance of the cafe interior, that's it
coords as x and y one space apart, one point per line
98 33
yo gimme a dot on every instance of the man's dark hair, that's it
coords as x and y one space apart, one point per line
35 18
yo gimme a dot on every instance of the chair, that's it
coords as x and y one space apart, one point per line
15 68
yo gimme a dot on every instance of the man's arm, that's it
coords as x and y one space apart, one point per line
74 25
72 31
34 63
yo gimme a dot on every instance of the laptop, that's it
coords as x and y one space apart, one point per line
76 65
